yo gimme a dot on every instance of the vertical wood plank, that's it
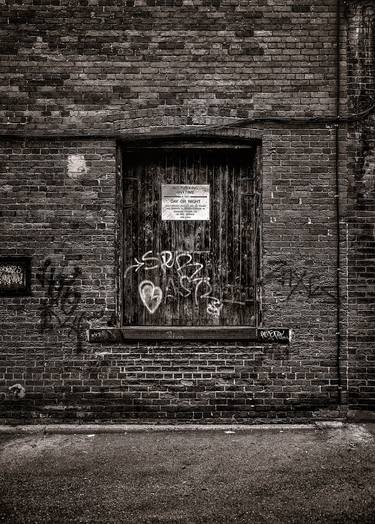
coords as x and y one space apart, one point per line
119 235
225 245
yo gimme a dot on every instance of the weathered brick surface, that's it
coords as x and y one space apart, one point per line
71 223
361 209
104 66
133 64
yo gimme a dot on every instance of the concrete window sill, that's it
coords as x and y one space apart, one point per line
249 333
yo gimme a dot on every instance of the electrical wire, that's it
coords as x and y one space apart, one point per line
314 120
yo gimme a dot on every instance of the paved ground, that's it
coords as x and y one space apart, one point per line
276 475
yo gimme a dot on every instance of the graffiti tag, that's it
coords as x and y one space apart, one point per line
151 295
274 335
300 281
59 308
186 277
11 276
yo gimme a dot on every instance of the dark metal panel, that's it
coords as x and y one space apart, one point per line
15 276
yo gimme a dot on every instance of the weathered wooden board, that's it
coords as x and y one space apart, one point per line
190 272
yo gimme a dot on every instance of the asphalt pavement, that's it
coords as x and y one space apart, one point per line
281 474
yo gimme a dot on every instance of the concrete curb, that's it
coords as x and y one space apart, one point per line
359 415
127 428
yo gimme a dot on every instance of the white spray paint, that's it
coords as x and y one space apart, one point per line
151 295
77 167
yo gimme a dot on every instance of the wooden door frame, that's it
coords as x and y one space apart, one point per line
209 142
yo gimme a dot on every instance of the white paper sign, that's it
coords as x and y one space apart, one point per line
185 202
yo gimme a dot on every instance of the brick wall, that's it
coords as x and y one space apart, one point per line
149 68
361 208
66 219
120 65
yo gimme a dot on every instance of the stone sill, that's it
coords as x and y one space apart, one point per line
233 333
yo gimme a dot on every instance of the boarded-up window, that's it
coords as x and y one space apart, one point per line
191 235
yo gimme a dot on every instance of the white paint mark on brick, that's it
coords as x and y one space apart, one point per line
6 188
77 167
262 34
17 390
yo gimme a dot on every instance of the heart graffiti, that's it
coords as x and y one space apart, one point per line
151 295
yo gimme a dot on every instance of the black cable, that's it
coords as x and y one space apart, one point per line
332 120
302 120
338 210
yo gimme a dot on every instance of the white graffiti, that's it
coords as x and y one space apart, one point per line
214 307
11 276
186 277
165 260
137 267
151 295
272 334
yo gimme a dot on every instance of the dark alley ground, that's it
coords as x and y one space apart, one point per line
280 475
